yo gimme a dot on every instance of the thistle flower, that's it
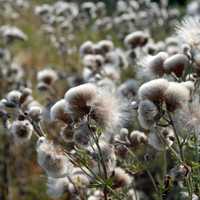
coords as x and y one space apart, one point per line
35 113
189 31
162 139
47 76
52 159
93 62
21 130
147 113
153 90
153 65
137 138
176 64
11 33
79 99
57 186
120 178
86 48
60 111
136 39
109 111
176 95
14 97
106 46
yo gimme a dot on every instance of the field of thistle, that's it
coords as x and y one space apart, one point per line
99 104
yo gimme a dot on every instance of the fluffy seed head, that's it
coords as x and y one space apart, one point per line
21 130
153 90
47 76
153 65
87 48
189 31
176 64
14 96
59 111
106 46
120 178
176 95
79 99
136 39
137 138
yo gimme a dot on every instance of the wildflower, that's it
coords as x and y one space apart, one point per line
136 39
153 65
120 178
47 76
11 33
153 90
79 99
14 97
93 62
60 111
52 159
109 111
21 130
189 31
86 48
35 113
161 139
137 138
147 114
106 46
176 95
176 64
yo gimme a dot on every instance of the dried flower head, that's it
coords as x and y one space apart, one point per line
60 111
79 99
153 65
21 130
176 95
120 178
87 48
189 31
176 64
47 76
153 90
137 138
136 39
